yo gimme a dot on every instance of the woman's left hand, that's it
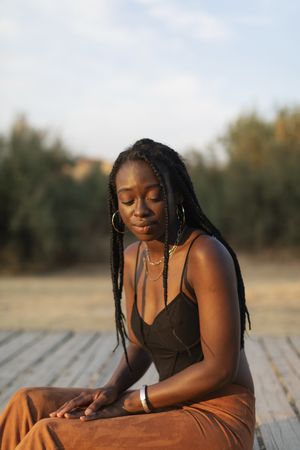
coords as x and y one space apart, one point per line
116 409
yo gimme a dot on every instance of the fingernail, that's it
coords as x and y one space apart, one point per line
88 412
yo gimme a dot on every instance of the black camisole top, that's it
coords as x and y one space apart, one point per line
169 353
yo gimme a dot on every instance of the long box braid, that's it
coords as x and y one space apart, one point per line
160 158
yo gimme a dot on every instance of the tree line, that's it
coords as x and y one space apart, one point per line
49 216
254 196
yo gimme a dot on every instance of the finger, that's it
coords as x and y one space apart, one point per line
81 400
96 415
97 404
75 414
54 413
106 413
93 408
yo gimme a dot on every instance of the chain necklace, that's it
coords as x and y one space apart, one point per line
147 272
155 263
171 251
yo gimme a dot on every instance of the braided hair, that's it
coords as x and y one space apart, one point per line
160 158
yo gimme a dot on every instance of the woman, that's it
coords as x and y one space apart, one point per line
186 312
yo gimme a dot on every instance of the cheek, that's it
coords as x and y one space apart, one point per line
123 213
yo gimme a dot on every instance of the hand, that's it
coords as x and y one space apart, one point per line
87 402
115 409
123 406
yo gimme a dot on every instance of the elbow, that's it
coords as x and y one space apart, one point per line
228 374
224 375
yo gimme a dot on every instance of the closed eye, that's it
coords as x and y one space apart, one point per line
158 199
127 203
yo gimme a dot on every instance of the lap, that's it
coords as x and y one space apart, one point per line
222 422
172 429
45 399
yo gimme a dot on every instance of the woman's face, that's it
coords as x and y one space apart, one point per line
140 201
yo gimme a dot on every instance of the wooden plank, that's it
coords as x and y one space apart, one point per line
62 358
295 341
103 349
110 365
79 363
30 356
6 335
286 365
17 344
256 444
278 423
87 360
45 373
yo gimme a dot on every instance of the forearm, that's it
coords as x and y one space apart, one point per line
123 377
191 383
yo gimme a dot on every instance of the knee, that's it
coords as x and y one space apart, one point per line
26 397
20 394
44 429
25 392
44 425
41 436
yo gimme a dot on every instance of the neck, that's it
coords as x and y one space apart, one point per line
156 247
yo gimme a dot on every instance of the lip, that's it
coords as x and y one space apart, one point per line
144 228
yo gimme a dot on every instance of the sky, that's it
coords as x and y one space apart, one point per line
103 73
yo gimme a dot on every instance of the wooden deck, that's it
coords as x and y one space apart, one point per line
86 359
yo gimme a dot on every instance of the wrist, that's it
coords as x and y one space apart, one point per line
145 400
132 402
113 386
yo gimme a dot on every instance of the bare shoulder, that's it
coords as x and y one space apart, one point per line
208 255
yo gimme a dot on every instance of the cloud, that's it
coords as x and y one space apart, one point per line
8 28
188 19
250 19
107 72
180 110
100 74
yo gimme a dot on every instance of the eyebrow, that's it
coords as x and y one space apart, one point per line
150 186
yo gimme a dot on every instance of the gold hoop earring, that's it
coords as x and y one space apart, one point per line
113 225
181 214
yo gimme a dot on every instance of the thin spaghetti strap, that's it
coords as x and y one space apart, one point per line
186 258
135 270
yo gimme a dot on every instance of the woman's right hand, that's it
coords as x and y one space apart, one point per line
87 402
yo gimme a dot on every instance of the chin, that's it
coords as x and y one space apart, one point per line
148 237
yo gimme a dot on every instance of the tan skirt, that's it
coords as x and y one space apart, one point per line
221 421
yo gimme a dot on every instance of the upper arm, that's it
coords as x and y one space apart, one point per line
129 270
213 278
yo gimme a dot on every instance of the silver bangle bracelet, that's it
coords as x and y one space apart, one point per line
143 399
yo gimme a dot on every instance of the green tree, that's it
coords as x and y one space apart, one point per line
47 216
261 188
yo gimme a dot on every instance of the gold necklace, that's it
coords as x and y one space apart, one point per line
147 271
154 263
171 251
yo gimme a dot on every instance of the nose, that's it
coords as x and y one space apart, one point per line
141 209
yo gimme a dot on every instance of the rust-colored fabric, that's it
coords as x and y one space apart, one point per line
221 421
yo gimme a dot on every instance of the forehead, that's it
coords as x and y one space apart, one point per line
137 173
